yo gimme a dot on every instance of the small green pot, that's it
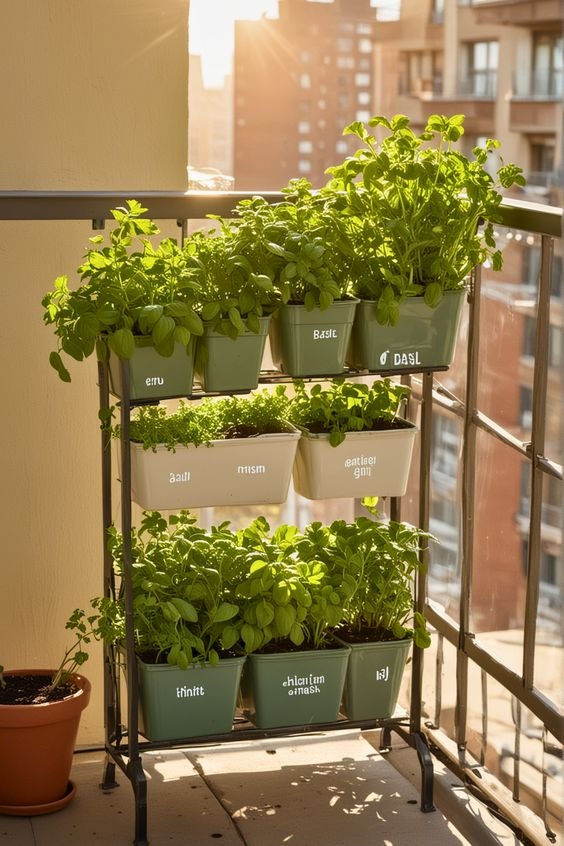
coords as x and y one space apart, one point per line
231 364
294 688
373 681
312 343
175 703
423 339
154 376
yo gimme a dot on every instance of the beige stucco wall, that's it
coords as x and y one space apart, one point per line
95 98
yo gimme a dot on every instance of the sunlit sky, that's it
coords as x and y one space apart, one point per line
211 30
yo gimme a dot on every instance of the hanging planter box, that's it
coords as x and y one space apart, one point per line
175 703
236 471
294 688
154 376
423 339
312 343
374 463
231 364
373 681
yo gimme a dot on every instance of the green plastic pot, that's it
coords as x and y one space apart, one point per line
373 681
294 688
312 343
423 339
154 376
230 364
175 703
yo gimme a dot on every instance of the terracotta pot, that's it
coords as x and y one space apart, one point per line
36 749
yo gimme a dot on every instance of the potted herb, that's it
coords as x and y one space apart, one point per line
220 451
39 717
295 671
353 441
235 304
295 242
133 304
185 619
418 216
377 563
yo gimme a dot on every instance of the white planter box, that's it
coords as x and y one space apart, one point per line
364 464
239 471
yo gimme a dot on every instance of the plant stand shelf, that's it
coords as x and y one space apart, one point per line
122 743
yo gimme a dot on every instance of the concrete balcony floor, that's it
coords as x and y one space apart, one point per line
324 789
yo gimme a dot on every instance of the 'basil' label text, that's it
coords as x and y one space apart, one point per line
324 334
303 685
361 465
184 692
153 381
383 674
400 359
174 478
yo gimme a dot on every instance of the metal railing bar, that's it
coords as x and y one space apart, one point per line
484 743
196 205
537 448
517 752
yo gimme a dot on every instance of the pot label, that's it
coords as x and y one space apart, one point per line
153 381
251 469
303 685
174 478
361 465
185 692
400 359
383 674
324 334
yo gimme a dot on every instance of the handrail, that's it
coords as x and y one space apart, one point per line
196 205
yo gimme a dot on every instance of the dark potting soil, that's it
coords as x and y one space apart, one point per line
33 690
318 428
367 634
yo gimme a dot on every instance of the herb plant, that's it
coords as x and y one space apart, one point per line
211 419
346 407
232 294
295 243
125 292
417 213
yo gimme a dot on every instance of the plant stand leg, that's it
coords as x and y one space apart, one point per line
109 777
138 780
417 741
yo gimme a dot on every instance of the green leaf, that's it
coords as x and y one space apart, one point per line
163 330
226 611
185 609
122 343
210 311
433 294
56 362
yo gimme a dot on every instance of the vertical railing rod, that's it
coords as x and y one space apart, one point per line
439 679
484 744
421 580
468 494
517 752
537 449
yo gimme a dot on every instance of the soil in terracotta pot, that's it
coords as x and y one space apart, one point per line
33 690
367 634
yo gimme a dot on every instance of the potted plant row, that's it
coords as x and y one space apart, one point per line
40 712
399 226
274 610
345 439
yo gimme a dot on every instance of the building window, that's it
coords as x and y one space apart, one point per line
304 127
525 406
305 56
305 147
529 336
344 45
548 64
345 62
363 28
363 116
438 11
362 80
304 166
531 271
321 104
479 76
343 100
365 45
305 80
341 146
363 98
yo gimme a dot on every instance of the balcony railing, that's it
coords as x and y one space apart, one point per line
479 83
459 636
539 85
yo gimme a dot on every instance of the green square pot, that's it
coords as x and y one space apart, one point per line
230 364
294 688
312 343
374 675
423 339
154 376
175 703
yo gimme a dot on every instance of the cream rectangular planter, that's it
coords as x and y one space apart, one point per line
364 464
238 471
